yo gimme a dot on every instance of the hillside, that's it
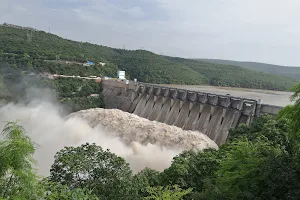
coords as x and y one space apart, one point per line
292 72
30 50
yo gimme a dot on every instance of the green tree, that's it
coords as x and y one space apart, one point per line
193 170
259 162
239 174
89 166
276 131
146 178
86 90
292 112
166 193
54 191
18 179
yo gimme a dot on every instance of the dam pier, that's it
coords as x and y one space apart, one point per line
210 114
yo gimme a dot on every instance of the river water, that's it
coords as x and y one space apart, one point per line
271 97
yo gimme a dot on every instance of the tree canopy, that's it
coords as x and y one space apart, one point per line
90 167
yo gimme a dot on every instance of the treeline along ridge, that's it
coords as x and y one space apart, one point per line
38 51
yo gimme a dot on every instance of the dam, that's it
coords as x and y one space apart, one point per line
211 114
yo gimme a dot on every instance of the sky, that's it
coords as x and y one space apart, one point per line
245 30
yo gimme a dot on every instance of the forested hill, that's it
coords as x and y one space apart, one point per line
31 50
293 72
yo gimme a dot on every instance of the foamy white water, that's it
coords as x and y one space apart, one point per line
141 142
132 128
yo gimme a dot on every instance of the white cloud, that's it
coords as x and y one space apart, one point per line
135 12
20 8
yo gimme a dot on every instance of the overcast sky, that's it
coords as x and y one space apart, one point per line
247 30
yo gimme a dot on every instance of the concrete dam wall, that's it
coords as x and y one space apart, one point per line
210 114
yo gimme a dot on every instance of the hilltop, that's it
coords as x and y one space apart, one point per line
38 51
292 72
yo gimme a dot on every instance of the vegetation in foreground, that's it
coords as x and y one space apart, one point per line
40 52
257 162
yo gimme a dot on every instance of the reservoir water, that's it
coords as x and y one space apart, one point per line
278 98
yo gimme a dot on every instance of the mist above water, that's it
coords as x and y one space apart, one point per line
141 142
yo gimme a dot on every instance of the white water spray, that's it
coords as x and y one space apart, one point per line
141 142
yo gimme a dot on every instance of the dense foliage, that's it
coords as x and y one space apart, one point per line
75 94
43 52
91 167
17 176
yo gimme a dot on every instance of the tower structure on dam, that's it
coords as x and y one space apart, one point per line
211 114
